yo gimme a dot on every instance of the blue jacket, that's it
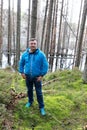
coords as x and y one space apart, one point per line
34 64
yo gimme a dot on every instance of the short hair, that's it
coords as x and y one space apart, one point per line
32 39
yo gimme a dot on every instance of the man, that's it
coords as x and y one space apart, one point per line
33 66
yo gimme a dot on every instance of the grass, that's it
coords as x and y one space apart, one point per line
65 102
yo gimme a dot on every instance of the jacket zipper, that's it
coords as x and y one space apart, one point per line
31 65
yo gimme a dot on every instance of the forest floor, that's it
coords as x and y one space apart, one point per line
65 97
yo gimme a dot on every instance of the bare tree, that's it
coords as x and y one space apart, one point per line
33 18
59 43
85 71
65 31
53 37
9 33
44 25
77 31
79 50
48 30
18 32
28 22
13 31
1 12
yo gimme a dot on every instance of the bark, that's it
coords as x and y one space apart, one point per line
79 51
44 25
59 37
13 33
34 19
53 39
9 34
77 32
1 40
48 30
18 32
85 71
28 23
65 30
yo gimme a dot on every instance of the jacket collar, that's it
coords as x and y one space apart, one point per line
35 52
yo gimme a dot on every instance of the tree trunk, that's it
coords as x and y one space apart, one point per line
9 34
65 31
18 32
78 57
77 32
53 39
1 12
48 30
28 23
13 22
33 18
59 43
85 71
44 25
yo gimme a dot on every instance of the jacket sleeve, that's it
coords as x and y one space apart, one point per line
45 65
21 64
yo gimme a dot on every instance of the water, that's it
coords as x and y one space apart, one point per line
4 61
65 63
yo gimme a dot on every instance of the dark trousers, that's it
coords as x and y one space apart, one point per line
38 87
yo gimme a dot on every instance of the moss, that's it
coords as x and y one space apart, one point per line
65 101
57 106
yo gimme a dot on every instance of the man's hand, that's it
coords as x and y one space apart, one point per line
23 76
39 78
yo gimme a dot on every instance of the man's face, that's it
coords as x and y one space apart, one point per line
33 45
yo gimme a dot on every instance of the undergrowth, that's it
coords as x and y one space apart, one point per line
65 102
